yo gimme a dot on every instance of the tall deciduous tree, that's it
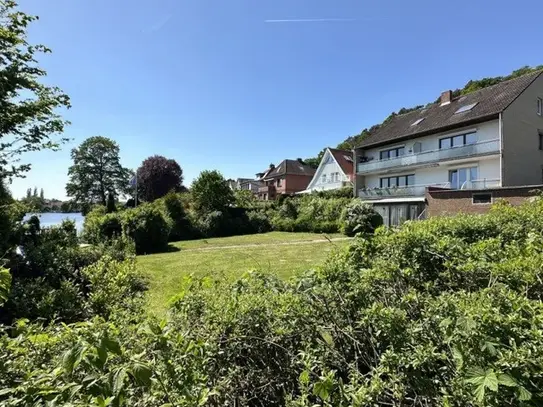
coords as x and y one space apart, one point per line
42 195
97 171
35 193
157 176
210 192
29 117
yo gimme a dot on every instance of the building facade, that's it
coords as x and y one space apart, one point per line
288 178
335 171
487 139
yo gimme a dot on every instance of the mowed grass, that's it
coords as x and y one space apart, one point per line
282 253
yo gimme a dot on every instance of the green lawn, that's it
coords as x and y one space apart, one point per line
282 253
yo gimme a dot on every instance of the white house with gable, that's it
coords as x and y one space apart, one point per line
335 171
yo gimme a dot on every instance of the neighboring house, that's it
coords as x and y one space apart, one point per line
245 184
491 138
231 183
249 184
335 171
289 177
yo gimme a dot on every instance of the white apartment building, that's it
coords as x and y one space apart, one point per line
486 139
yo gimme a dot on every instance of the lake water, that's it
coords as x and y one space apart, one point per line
53 218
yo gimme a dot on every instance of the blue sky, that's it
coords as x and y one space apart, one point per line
214 86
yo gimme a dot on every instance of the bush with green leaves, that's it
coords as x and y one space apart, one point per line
174 206
442 312
48 277
308 213
359 217
149 226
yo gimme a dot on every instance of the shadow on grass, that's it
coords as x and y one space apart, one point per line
171 249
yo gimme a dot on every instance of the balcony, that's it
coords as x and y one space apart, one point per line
420 190
428 157
268 189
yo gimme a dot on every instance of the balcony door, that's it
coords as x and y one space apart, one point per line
462 176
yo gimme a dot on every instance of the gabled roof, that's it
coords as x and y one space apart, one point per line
344 159
291 167
489 101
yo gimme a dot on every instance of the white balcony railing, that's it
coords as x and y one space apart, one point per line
420 190
428 157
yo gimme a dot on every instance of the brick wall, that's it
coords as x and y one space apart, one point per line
442 202
295 183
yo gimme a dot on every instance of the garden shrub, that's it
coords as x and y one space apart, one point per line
149 226
48 279
99 227
259 222
308 213
442 312
359 217
182 228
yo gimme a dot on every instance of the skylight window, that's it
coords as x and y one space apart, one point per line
417 122
466 108
348 158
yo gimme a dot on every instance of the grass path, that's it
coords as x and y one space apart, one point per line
279 252
248 245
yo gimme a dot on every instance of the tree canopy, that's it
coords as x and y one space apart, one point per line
157 176
27 123
97 171
210 192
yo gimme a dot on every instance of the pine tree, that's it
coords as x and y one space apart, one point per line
42 196
35 193
29 193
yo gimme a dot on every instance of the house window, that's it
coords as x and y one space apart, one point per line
391 153
323 178
540 106
462 177
401 181
458 141
279 181
337 176
541 139
485 198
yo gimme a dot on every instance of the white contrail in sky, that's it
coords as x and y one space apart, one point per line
309 20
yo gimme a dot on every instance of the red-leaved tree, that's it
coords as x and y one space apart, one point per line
157 176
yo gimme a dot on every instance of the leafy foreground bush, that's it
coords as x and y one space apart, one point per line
444 312
52 278
359 217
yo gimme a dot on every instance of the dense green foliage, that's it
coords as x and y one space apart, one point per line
359 217
210 192
97 172
443 312
308 213
148 225
157 176
52 277
182 227
28 113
